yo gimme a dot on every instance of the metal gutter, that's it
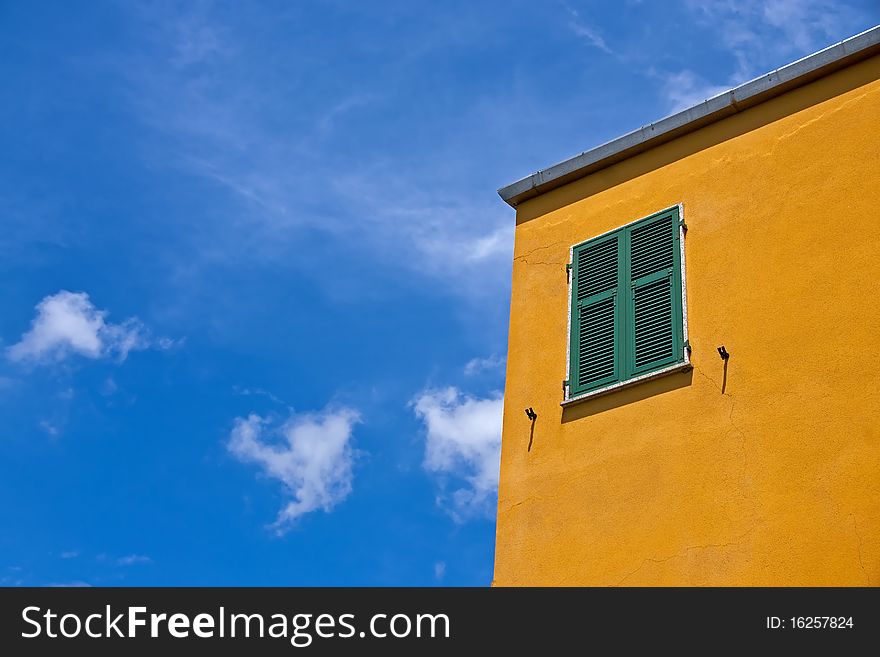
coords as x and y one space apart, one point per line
746 95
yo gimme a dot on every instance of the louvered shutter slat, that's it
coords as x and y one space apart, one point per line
597 269
594 315
652 262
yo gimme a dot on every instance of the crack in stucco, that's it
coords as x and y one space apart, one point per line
530 498
524 256
817 119
734 426
859 543
563 483
742 436
541 262
516 504
684 553
709 379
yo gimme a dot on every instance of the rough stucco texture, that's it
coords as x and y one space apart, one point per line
770 476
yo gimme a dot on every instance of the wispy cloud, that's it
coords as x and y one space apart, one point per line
797 25
266 144
685 89
8 580
478 365
759 35
439 570
69 554
133 560
462 445
67 323
449 251
109 387
586 32
50 428
311 455
328 118
260 392
195 41
453 238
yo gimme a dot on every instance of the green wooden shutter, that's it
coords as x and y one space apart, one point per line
626 304
654 309
595 323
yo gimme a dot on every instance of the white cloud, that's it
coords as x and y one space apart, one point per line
760 32
68 323
464 242
586 32
809 24
463 442
109 387
195 42
590 35
262 393
70 554
346 105
467 250
165 344
223 127
760 35
478 365
686 88
50 428
311 455
133 559
439 570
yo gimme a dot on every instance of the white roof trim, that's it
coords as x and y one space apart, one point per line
746 95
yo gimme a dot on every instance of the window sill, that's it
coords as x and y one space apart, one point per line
614 387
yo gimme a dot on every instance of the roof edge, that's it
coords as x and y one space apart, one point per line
748 94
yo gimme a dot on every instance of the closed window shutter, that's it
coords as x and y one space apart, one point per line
653 306
596 280
626 304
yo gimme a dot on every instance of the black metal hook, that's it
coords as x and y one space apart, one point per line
723 353
530 412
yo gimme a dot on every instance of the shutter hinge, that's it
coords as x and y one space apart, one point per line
687 345
568 272
564 386
683 225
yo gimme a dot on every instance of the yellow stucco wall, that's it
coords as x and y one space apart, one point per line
775 480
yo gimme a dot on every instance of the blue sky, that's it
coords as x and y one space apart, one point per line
255 274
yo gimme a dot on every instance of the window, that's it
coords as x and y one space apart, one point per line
627 305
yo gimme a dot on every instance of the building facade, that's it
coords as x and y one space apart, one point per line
693 374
